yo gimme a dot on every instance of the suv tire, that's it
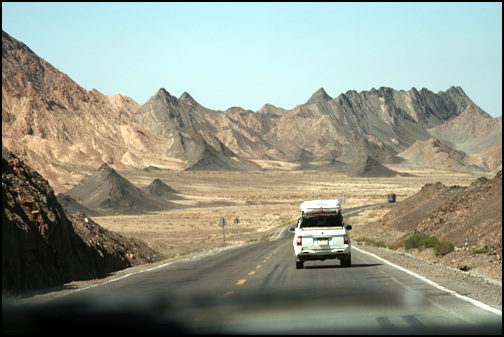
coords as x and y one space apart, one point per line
346 261
299 264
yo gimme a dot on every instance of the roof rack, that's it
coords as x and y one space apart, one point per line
320 206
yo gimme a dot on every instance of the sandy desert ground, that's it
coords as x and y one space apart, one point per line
261 201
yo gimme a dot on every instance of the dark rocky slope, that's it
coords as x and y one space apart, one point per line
43 246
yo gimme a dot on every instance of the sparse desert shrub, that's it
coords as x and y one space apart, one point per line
414 241
443 248
480 251
429 242
422 240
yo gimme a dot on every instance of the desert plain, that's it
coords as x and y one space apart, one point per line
256 204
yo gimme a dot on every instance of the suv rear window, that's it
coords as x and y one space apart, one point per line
329 220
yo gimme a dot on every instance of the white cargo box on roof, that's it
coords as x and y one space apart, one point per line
311 205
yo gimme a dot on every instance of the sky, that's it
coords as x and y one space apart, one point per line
249 54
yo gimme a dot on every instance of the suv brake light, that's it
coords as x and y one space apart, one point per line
298 241
345 239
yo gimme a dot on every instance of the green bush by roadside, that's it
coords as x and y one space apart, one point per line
443 248
414 241
421 240
429 242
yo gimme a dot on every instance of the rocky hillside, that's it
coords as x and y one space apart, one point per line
473 133
434 153
469 217
61 129
108 193
43 246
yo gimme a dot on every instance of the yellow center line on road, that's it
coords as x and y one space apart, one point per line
240 282
228 293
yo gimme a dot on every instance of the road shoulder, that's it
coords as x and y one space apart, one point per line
481 289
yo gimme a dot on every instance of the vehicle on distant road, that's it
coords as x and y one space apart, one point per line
321 233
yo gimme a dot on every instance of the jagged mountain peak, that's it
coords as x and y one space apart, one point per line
383 90
271 110
162 112
456 89
319 96
164 95
188 99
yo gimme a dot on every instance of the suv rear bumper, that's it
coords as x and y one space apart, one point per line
309 254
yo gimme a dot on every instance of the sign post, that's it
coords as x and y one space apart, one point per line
223 223
236 221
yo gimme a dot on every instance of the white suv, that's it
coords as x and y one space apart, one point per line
321 233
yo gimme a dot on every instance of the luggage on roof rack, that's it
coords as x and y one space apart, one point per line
322 205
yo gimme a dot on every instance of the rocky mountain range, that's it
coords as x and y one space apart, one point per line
58 127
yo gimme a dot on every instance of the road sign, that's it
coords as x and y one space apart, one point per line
222 222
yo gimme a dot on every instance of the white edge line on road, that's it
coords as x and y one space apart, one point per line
280 232
440 287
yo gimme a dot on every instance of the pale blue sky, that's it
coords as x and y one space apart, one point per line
249 54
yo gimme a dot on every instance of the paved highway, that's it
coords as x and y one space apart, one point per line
255 288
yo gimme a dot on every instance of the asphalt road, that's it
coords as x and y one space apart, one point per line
256 288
